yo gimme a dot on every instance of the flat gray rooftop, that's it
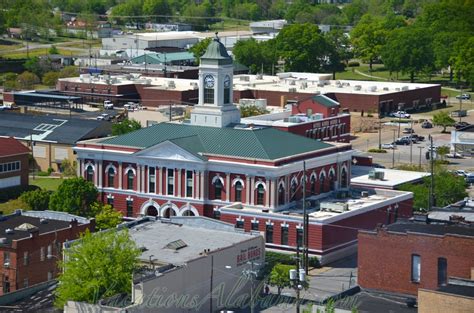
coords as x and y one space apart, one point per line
155 236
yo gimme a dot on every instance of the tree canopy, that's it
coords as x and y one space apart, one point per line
75 196
443 119
280 276
125 126
105 216
200 48
98 265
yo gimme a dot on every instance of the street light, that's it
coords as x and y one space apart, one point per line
251 274
297 278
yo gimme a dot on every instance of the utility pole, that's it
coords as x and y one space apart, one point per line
380 133
411 141
460 106
251 274
431 199
419 164
305 224
393 150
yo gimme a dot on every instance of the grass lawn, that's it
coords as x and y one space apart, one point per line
47 183
453 106
12 205
32 53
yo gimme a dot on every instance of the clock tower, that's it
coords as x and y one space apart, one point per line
215 107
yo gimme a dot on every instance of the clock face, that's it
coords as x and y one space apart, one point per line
209 81
227 81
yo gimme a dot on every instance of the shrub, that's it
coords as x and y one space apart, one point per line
37 200
375 150
353 64
43 173
14 192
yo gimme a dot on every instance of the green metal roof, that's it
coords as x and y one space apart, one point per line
263 144
159 58
326 101
216 53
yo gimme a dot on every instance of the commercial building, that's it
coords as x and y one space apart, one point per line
456 297
190 258
317 117
14 166
214 161
406 256
30 245
52 136
383 178
462 140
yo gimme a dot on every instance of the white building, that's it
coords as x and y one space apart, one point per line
462 140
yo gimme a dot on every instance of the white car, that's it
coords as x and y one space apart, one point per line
103 117
454 155
108 105
388 146
401 114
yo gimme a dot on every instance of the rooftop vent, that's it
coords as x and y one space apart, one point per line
291 89
43 221
26 227
245 78
3 240
364 194
176 245
9 231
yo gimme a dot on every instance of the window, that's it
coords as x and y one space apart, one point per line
129 208
269 233
151 179
284 235
90 173
239 224
50 275
42 254
218 189
312 187
254 225
208 95
6 285
322 181
415 268
442 271
110 177
50 251
26 259
343 178
293 190
299 236
130 177
25 283
238 191
260 194
226 95
281 195
217 214
189 184
170 181
331 181
6 258
110 201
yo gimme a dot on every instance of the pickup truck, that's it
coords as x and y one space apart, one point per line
108 105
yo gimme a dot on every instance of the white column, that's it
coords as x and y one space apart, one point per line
79 168
247 189
139 177
143 179
120 175
179 183
252 190
201 192
159 184
287 189
267 192
100 174
227 186
273 194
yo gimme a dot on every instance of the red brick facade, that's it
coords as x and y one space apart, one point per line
28 262
13 162
384 259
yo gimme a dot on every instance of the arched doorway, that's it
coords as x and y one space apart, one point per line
188 213
168 212
152 211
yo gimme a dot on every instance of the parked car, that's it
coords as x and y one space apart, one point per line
103 117
388 146
402 141
459 125
108 105
408 130
454 155
426 124
462 173
401 114
408 138
418 137
470 178
464 96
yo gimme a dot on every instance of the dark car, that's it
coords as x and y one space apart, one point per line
459 125
426 124
402 141
408 130
418 137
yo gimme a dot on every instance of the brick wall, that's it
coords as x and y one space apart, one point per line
385 259
437 302
24 168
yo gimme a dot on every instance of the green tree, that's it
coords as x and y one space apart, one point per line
37 200
251 110
38 66
280 276
256 55
368 38
75 196
409 50
443 119
125 126
441 151
50 79
157 7
27 80
53 50
98 265
302 47
69 168
69 71
199 48
105 216
464 62
449 188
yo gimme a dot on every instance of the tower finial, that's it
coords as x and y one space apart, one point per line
217 37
